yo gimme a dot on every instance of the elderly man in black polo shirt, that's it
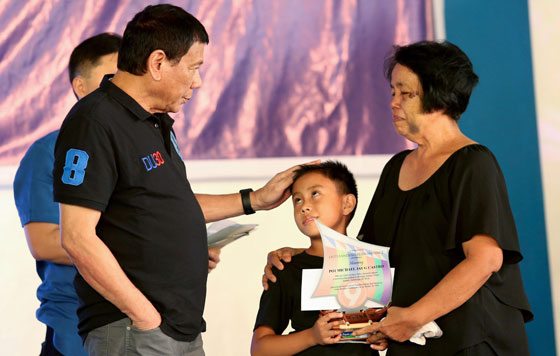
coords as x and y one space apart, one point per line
129 219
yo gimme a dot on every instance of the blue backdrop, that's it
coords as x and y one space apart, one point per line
496 36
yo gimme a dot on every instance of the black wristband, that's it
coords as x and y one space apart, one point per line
246 201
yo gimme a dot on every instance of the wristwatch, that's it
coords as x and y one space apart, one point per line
246 201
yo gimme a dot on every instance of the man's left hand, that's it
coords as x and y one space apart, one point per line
213 258
276 191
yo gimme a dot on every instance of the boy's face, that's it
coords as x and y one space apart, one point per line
316 197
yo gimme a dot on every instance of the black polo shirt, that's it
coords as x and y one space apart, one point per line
115 157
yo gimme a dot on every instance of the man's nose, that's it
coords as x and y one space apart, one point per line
197 80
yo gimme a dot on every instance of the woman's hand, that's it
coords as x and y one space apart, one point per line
377 340
399 325
381 344
275 258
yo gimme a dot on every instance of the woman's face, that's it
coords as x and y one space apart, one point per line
406 102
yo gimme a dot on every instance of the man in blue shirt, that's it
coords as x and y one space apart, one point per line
33 192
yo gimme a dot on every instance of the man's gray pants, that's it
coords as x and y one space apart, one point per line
121 338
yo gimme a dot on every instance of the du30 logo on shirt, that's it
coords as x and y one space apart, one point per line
153 161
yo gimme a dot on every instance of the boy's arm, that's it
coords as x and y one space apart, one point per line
265 341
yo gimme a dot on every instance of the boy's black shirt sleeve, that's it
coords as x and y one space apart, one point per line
276 304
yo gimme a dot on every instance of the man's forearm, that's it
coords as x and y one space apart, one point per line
101 270
218 207
271 195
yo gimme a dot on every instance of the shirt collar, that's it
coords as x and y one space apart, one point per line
123 98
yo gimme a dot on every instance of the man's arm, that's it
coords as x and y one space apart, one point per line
100 269
213 258
274 193
218 207
43 240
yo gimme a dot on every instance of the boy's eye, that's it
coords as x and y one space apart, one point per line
315 194
297 200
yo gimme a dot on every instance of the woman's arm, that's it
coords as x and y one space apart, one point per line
483 257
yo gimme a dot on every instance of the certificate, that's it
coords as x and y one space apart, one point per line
355 274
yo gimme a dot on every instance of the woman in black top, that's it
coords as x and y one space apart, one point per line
444 211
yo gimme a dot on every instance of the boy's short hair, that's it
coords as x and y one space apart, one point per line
335 171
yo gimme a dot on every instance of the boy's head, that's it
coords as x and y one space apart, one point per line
325 191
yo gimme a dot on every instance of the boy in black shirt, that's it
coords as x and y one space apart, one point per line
327 192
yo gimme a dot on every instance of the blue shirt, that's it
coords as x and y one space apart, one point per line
33 193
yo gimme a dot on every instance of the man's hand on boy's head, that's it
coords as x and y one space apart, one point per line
275 259
276 190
